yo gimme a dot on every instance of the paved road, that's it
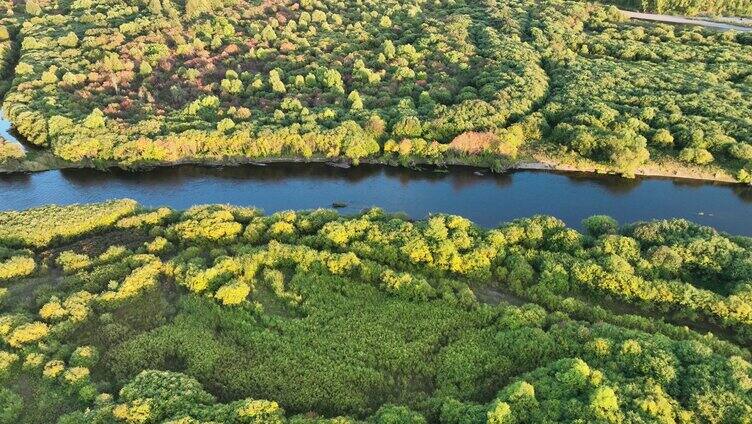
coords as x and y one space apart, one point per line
686 21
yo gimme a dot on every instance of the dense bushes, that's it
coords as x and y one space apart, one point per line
16 266
8 52
110 82
302 316
38 227
289 92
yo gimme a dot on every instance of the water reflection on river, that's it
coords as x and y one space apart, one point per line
7 132
486 199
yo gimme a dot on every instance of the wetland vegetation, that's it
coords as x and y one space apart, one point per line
115 313
491 83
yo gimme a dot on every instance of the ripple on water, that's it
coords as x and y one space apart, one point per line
486 199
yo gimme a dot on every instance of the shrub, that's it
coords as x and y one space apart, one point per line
72 262
473 143
599 225
11 406
27 333
38 227
260 411
7 360
663 138
233 293
389 414
84 356
17 267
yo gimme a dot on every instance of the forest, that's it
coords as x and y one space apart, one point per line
117 313
494 83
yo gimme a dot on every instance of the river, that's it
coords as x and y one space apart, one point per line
7 133
487 199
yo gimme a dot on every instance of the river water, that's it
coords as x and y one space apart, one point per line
486 199
7 133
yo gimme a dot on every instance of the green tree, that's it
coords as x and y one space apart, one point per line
356 103
663 138
605 405
33 8
194 8
392 414
268 34
95 119
155 7
500 413
599 225
408 127
276 82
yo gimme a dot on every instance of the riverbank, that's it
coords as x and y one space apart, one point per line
41 160
663 168
647 171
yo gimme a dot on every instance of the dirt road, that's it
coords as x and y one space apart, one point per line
685 21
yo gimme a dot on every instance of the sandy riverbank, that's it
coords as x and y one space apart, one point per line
643 171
